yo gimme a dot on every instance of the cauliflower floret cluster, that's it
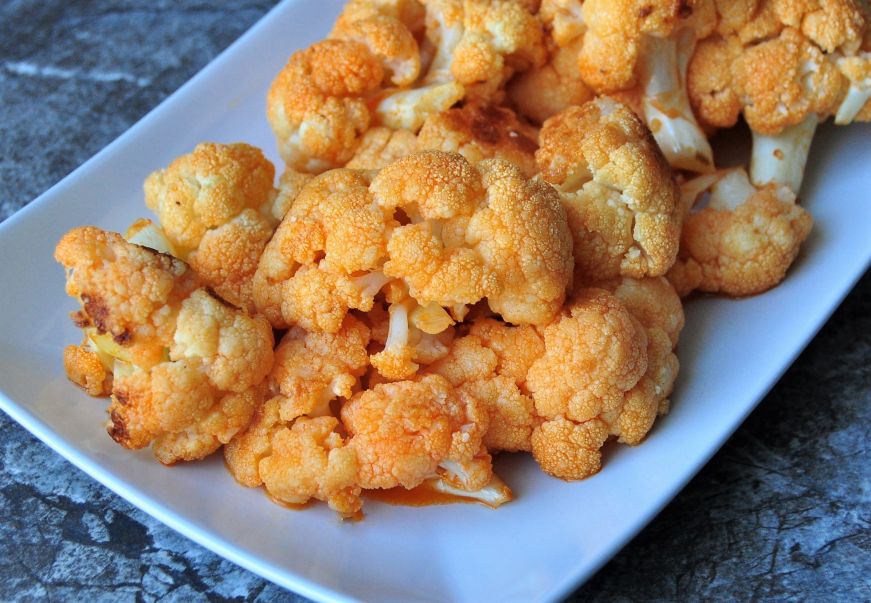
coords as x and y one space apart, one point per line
488 213
451 234
184 369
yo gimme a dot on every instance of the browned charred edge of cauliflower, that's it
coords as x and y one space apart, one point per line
185 367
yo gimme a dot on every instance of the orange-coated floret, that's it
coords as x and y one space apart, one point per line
830 24
409 12
311 369
615 28
710 87
307 273
317 104
479 132
744 241
500 37
214 206
618 190
404 431
783 80
187 367
607 370
540 92
474 232
296 459
85 367
489 376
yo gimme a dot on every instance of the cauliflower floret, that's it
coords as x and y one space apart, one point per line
856 104
500 37
476 232
540 92
522 234
381 147
317 105
746 239
296 459
85 366
408 108
607 370
564 19
311 369
310 272
130 295
214 206
388 39
409 12
618 190
482 373
404 431
311 460
187 367
712 94
830 24
479 132
616 28
657 306
783 80
415 334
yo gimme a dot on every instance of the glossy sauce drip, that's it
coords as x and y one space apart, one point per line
421 496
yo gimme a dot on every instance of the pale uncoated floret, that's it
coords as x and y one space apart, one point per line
617 188
187 368
215 209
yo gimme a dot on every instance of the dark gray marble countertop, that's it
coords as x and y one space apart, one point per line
781 512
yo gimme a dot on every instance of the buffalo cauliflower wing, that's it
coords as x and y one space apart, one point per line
607 370
293 446
744 241
215 207
187 368
619 193
409 431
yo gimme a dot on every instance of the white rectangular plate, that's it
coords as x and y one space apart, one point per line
537 548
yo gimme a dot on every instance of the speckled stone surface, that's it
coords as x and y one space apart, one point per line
781 512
